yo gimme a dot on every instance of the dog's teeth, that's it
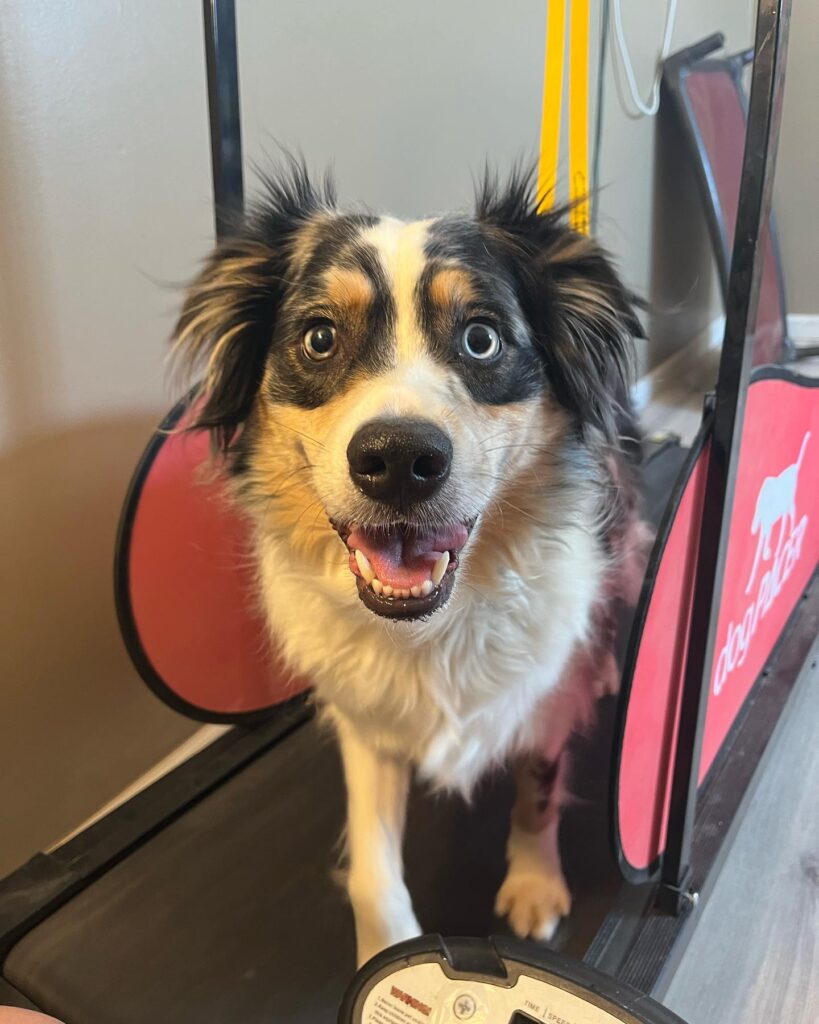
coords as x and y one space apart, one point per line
426 588
415 591
387 590
377 585
439 568
364 565
402 593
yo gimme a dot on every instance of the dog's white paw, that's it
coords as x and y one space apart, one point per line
534 902
380 924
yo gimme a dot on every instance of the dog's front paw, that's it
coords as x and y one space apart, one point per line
373 937
381 921
533 900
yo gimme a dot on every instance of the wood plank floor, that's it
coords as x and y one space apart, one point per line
754 956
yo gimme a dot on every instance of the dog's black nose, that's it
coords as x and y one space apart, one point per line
399 462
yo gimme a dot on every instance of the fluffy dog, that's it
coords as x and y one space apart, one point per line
427 424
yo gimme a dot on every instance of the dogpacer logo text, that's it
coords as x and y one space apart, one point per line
775 511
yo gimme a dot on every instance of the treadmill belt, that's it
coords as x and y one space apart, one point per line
232 912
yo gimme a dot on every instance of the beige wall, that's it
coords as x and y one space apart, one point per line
408 100
660 232
104 188
797 176
105 191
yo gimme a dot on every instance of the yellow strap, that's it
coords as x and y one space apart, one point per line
552 103
579 116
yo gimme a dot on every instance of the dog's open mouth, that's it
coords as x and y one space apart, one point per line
404 572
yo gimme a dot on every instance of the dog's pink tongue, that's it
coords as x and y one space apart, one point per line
402 560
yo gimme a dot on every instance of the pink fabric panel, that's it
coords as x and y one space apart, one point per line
653 704
192 588
775 504
773 550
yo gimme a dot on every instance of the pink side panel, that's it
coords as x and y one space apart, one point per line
653 709
773 551
192 588
777 501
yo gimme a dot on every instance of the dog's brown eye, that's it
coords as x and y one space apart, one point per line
481 341
320 342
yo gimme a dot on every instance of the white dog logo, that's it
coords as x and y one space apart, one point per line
776 504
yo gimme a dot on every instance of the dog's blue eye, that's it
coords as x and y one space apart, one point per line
481 341
320 342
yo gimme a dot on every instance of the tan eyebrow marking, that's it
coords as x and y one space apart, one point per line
451 287
346 288
305 242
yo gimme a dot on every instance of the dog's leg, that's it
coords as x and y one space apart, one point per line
534 895
377 788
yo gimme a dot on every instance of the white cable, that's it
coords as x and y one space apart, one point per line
647 108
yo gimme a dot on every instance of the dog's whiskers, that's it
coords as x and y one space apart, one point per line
301 433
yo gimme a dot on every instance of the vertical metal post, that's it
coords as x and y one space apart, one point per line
764 115
225 115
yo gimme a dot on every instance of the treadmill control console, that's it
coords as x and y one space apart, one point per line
500 981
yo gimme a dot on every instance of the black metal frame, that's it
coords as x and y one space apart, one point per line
224 111
675 71
761 141
222 70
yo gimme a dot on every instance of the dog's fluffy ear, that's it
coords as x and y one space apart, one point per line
226 325
582 315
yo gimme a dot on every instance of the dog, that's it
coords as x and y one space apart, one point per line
428 426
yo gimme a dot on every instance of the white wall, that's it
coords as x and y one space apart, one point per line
797 177
104 158
104 186
105 189
408 100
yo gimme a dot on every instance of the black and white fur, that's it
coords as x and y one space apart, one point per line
480 671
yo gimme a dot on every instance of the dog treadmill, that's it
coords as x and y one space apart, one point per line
211 895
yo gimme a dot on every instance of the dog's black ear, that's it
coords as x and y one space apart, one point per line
226 325
582 315
224 331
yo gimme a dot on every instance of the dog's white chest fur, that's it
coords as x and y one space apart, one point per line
458 692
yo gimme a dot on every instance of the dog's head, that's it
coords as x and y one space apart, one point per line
392 380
